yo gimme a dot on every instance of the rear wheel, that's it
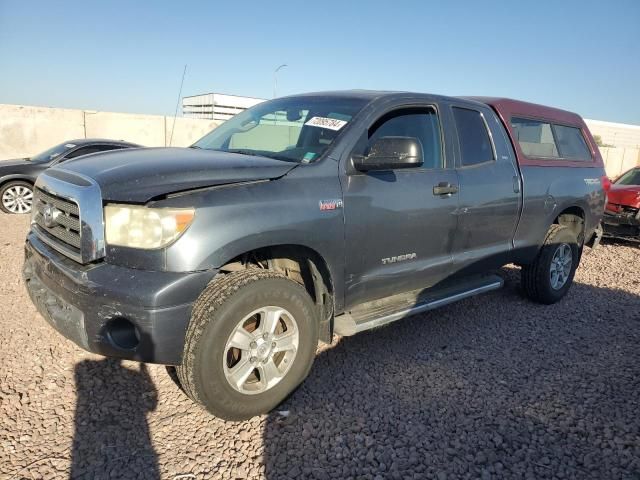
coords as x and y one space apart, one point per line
548 278
16 197
251 341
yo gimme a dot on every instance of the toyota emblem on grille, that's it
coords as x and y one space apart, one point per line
50 216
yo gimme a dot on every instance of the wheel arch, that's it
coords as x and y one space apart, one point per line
16 178
573 217
301 264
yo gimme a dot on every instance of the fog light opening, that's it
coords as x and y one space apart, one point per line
123 334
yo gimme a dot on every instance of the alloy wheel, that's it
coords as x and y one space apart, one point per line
18 199
261 350
560 266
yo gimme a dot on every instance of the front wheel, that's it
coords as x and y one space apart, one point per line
16 197
548 278
251 341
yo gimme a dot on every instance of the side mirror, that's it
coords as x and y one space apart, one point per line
390 153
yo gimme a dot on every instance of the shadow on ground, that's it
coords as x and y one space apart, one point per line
625 242
492 387
111 437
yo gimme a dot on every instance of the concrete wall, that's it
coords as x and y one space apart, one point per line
25 130
619 160
621 135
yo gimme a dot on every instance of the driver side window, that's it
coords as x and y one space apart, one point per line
420 123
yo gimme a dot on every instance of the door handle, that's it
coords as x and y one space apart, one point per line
516 184
445 188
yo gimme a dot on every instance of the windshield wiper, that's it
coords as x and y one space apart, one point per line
251 153
258 153
240 151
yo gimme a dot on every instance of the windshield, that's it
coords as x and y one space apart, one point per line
632 177
53 152
295 129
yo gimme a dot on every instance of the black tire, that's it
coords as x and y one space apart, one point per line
10 185
536 277
216 313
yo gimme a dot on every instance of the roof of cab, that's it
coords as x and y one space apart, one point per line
377 94
501 105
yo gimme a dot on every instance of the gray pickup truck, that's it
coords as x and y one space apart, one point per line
303 217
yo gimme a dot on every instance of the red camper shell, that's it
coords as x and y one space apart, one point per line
545 136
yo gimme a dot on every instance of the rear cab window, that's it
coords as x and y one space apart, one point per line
571 143
548 140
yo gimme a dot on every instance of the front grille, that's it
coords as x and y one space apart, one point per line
64 220
68 216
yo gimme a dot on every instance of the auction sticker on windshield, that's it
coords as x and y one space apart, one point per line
324 122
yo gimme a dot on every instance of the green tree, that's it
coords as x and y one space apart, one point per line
598 140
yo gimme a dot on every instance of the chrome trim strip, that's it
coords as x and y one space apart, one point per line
345 324
89 201
56 245
469 293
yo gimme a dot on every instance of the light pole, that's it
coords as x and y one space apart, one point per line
275 78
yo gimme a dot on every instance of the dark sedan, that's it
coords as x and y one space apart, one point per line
18 176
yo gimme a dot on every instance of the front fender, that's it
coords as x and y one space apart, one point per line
235 220
17 176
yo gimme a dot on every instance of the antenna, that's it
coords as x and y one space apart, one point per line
275 79
175 115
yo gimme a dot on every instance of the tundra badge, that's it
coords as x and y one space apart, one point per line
399 258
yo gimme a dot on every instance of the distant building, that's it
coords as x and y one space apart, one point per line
216 106
621 135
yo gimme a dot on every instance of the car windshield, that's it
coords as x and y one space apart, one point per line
53 152
294 129
632 177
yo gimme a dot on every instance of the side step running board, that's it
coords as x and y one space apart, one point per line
351 323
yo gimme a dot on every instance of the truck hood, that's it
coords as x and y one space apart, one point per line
628 195
138 175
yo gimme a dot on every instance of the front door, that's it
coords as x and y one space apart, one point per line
399 224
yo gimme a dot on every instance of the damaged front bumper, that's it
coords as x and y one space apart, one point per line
623 224
112 310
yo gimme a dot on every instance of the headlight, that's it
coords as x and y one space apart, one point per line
143 227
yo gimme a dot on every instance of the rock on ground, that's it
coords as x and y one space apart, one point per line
492 387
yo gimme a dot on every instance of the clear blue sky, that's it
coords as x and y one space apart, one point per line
129 55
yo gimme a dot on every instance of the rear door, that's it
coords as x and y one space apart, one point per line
398 231
489 197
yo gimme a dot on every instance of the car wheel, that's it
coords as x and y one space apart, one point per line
16 197
548 278
250 342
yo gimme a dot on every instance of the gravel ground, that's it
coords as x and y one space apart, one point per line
493 387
